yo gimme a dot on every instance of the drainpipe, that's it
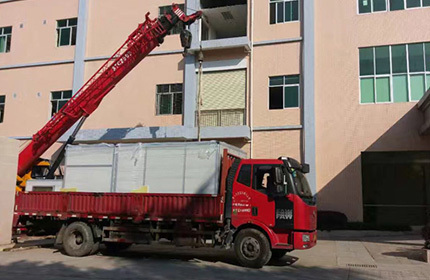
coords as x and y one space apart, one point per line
199 95
251 81
308 79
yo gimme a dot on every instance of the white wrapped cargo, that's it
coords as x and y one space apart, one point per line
89 168
130 163
182 167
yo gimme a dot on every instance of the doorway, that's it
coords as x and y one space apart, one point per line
396 187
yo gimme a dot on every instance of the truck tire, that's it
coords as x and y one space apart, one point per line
278 254
252 248
78 240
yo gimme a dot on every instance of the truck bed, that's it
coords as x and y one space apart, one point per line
120 206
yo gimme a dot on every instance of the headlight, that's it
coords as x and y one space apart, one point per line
306 238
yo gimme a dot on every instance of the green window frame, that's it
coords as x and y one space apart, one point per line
284 92
372 6
165 9
396 5
281 11
413 3
66 32
393 74
5 39
59 99
169 99
2 107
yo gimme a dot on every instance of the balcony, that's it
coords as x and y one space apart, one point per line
224 25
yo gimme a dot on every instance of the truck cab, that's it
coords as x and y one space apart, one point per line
273 197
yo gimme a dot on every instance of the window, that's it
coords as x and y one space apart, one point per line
284 92
2 104
166 9
169 99
413 3
59 99
244 176
284 11
370 6
264 175
5 39
398 73
66 32
396 5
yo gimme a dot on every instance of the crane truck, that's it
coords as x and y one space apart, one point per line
263 208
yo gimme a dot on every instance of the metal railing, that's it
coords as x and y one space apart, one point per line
227 117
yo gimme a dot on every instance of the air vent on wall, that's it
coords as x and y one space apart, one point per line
227 15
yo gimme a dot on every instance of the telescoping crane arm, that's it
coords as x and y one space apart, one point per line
139 44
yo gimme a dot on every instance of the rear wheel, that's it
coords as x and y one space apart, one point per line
78 240
252 248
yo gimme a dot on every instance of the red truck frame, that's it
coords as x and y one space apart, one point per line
259 226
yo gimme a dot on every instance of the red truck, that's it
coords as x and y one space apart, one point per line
264 208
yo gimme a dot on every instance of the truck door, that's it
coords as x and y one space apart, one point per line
262 205
275 211
241 200
251 199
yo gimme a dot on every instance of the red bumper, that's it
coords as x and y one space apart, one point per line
304 240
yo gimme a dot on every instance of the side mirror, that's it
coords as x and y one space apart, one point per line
279 176
277 190
278 187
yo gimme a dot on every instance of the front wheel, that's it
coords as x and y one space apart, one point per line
252 248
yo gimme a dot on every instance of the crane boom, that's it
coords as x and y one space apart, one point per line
139 44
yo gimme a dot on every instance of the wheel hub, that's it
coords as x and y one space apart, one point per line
250 248
79 239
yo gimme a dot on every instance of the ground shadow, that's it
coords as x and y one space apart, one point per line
186 254
165 269
411 254
169 252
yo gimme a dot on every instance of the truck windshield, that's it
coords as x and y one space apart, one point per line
302 186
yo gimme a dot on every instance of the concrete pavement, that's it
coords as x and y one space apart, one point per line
396 256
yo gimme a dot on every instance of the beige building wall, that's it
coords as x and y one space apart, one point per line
28 96
344 128
119 19
273 144
269 61
28 89
132 102
8 166
34 35
264 31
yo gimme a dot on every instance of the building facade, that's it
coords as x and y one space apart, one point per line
334 83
